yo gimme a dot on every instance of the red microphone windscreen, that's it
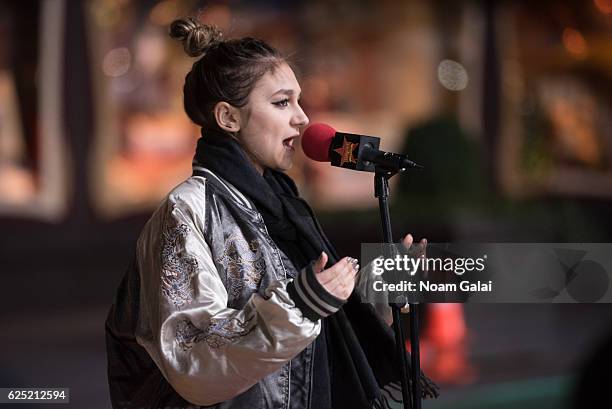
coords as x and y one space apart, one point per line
316 141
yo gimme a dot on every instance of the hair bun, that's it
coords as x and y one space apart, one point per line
195 36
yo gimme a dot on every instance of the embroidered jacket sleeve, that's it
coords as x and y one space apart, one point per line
208 352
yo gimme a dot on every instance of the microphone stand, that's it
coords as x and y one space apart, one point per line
381 191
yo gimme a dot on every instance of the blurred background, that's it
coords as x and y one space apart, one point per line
508 104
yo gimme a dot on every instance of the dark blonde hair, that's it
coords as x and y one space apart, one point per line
227 70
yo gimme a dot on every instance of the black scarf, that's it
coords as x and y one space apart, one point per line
355 354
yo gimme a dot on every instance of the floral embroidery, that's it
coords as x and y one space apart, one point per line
218 333
176 270
244 264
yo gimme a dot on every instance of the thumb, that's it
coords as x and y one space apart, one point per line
407 240
320 263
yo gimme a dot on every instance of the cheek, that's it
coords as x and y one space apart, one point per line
266 128
259 123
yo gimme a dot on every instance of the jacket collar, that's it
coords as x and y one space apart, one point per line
230 190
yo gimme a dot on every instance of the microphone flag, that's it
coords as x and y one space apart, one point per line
345 151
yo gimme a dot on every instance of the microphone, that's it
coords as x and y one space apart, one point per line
323 143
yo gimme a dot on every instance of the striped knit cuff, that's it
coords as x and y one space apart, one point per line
311 297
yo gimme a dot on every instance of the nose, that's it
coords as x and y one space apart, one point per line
300 119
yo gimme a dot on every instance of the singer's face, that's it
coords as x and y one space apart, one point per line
272 120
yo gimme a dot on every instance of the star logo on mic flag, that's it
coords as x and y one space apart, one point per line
346 152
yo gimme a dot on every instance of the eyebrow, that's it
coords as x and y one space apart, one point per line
284 91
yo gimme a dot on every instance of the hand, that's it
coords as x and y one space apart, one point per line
418 250
339 279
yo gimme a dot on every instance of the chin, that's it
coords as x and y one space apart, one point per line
283 167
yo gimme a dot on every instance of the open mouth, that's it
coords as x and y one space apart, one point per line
288 143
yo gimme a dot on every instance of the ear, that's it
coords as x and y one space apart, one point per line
227 117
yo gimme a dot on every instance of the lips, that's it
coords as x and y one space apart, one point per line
288 142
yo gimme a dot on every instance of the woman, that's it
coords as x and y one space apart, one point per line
235 297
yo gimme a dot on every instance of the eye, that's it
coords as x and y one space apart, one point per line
282 103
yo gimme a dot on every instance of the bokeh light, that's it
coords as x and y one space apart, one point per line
106 13
117 62
164 12
605 6
452 75
574 43
219 15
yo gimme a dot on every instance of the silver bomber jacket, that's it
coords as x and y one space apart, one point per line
213 311
215 315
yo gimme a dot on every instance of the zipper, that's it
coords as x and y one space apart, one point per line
311 374
276 251
272 244
289 386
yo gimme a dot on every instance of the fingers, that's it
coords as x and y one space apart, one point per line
420 251
422 248
341 268
342 286
346 274
407 240
423 245
339 279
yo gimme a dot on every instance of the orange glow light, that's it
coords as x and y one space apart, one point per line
574 43
164 12
605 6
219 15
